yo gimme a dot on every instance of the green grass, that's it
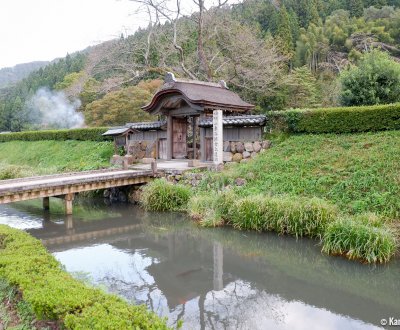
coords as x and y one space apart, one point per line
361 238
26 158
160 195
357 172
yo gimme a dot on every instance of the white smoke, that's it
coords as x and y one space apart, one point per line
52 109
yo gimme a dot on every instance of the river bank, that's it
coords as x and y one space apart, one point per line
342 189
211 277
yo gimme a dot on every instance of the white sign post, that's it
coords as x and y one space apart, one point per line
217 137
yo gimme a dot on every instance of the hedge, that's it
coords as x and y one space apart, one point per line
55 294
82 134
336 120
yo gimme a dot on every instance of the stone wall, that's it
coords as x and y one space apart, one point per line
237 151
142 149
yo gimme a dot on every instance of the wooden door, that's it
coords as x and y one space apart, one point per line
209 150
179 143
162 148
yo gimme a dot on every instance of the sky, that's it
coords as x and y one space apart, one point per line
32 30
42 30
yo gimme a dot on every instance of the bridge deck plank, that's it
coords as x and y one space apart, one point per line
9 187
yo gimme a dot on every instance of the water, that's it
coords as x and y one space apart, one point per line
212 278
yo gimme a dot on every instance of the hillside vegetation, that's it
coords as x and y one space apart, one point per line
275 54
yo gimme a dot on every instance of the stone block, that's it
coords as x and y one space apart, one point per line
257 146
266 144
246 154
227 146
227 156
233 147
239 147
193 163
116 160
147 160
128 159
143 145
237 157
248 146
253 154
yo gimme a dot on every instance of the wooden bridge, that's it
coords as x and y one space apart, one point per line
67 185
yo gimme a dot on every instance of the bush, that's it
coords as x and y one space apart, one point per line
161 195
376 80
82 134
212 209
360 238
54 294
285 215
337 120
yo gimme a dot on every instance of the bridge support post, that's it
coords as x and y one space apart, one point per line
46 203
68 198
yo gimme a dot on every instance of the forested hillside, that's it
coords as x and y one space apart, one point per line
276 54
16 73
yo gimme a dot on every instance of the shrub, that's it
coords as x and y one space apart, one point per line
360 237
212 209
285 215
161 195
82 134
376 80
13 171
52 293
337 120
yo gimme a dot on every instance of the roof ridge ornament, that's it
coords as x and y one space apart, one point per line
222 83
169 77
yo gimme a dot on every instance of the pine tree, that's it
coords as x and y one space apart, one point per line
356 8
284 31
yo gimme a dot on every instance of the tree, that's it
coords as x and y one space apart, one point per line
284 31
302 89
376 80
123 106
355 7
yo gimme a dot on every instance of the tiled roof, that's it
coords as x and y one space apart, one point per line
204 94
249 120
116 131
146 126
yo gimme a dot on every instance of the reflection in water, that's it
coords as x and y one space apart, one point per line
216 279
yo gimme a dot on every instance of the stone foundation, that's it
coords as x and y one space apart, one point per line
238 151
142 149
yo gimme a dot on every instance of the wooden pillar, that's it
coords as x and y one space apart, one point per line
46 203
169 137
194 129
68 203
202 142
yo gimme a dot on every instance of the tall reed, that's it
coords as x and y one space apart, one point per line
360 237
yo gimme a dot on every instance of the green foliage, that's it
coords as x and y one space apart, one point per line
337 120
79 134
211 209
302 89
161 195
120 107
360 238
285 215
376 80
356 172
54 294
20 158
13 113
